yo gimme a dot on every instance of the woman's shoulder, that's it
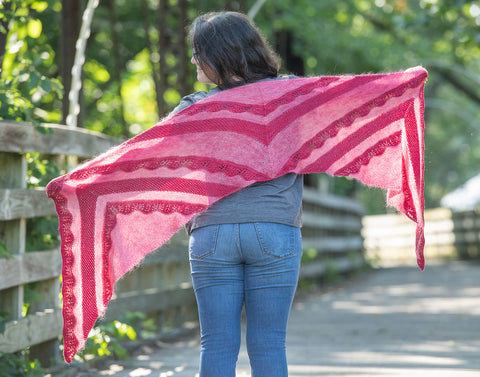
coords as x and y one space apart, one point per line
287 77
281 77
192 98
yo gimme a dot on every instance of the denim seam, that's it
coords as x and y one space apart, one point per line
215 238
237 240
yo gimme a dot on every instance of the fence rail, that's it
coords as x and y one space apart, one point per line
390 239
332 228
161 287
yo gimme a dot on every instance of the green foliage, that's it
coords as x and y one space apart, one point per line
104 340
144 326
309 255
3 320
4 253
40 170
335 37
356 36
42 232
13 365
28 89
330 36
31 295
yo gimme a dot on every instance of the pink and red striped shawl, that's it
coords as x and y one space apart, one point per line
128 201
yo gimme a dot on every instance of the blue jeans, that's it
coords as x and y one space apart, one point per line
255 264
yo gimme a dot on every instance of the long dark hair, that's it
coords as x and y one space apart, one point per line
230 47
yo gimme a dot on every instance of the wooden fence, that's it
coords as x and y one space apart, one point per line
160 287
331 234
390 239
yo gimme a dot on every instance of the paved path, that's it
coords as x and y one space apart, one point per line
388 323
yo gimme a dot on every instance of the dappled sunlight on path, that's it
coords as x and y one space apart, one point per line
394 322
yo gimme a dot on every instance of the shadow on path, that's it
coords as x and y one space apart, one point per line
396 322
390 322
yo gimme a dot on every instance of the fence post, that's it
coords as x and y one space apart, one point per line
12 232
46 352
13 235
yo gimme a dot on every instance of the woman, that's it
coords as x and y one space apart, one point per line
246 248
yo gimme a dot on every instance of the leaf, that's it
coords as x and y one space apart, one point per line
131 334
46 85
32 82
39 6
119 351
34 28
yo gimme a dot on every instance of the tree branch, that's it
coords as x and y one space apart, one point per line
457 84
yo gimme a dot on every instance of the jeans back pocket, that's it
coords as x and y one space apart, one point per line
276 239
203 241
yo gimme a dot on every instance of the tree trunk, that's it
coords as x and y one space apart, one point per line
162 50
117 65
151 54
284 45
182 50
71 20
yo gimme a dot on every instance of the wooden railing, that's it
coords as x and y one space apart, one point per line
18 270
390 239
331 234
161 287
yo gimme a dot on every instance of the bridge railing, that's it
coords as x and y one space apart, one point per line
30 314
390 239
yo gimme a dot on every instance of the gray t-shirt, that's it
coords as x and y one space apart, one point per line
278 200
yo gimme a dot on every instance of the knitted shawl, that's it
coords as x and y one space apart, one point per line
121 205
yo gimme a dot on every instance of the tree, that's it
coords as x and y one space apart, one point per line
356 36
137 64
29 88
70 17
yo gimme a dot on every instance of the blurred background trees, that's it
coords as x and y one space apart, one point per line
137 64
